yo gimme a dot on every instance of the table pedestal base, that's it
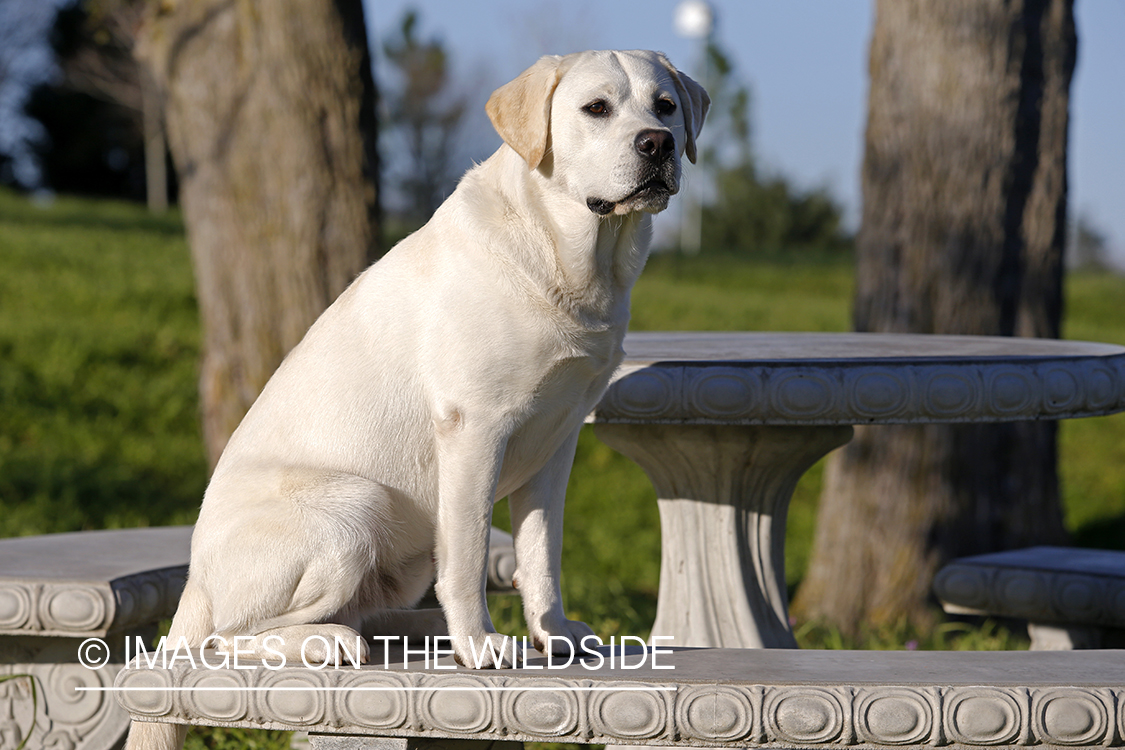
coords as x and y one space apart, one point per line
723 492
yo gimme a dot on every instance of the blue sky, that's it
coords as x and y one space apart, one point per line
805 62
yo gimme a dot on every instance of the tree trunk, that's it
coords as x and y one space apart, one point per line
964 186
270 117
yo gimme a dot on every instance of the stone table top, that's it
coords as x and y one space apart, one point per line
85 584
859 378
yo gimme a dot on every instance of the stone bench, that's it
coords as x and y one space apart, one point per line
1069 596
58 590
769 698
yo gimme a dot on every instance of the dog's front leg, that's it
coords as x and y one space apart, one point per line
469 460
537 525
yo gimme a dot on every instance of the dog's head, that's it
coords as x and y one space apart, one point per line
608 127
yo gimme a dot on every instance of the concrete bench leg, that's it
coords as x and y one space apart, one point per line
339 742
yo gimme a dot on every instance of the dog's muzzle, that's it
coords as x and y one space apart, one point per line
657 151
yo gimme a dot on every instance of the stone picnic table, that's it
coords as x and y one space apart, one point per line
724 424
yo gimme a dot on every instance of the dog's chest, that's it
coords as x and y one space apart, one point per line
567 391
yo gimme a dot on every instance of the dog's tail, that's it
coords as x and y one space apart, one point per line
192 624
146 736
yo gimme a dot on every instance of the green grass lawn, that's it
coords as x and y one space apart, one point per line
99 428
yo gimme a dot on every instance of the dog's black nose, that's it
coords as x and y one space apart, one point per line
656 145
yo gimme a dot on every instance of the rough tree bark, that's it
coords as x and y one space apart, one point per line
964 193
271 123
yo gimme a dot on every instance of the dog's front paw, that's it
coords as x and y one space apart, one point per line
561 636
486 651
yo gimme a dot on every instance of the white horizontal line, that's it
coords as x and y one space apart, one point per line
361 688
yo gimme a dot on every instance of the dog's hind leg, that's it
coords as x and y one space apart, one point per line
309 636
193 621
315 646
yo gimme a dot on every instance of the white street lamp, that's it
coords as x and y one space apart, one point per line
694 19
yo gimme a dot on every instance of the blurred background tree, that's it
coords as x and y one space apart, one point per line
748 211
270 111
426 116
964 220
102 116
1087 246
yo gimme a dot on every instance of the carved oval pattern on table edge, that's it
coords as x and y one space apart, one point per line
467 711
643 393
154 702
299 702
125 606
1080 597
1060 389
948 394
982 716
723 392
804 715
1022 592
541 712
893 716
1011 392
1119 696
805 395
149 600
878 394
360 705
15 606
1101 388
963 585
148 597
71 607
220 705
1069 717
629 715
714 713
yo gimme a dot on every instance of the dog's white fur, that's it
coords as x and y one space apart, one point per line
455 371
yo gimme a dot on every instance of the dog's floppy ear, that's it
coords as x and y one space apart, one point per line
521 110
694 102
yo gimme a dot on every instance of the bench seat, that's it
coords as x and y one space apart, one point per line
1069 596
709 698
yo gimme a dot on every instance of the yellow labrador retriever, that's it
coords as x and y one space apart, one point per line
454 371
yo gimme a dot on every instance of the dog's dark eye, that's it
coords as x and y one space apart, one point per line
665 106
598 108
